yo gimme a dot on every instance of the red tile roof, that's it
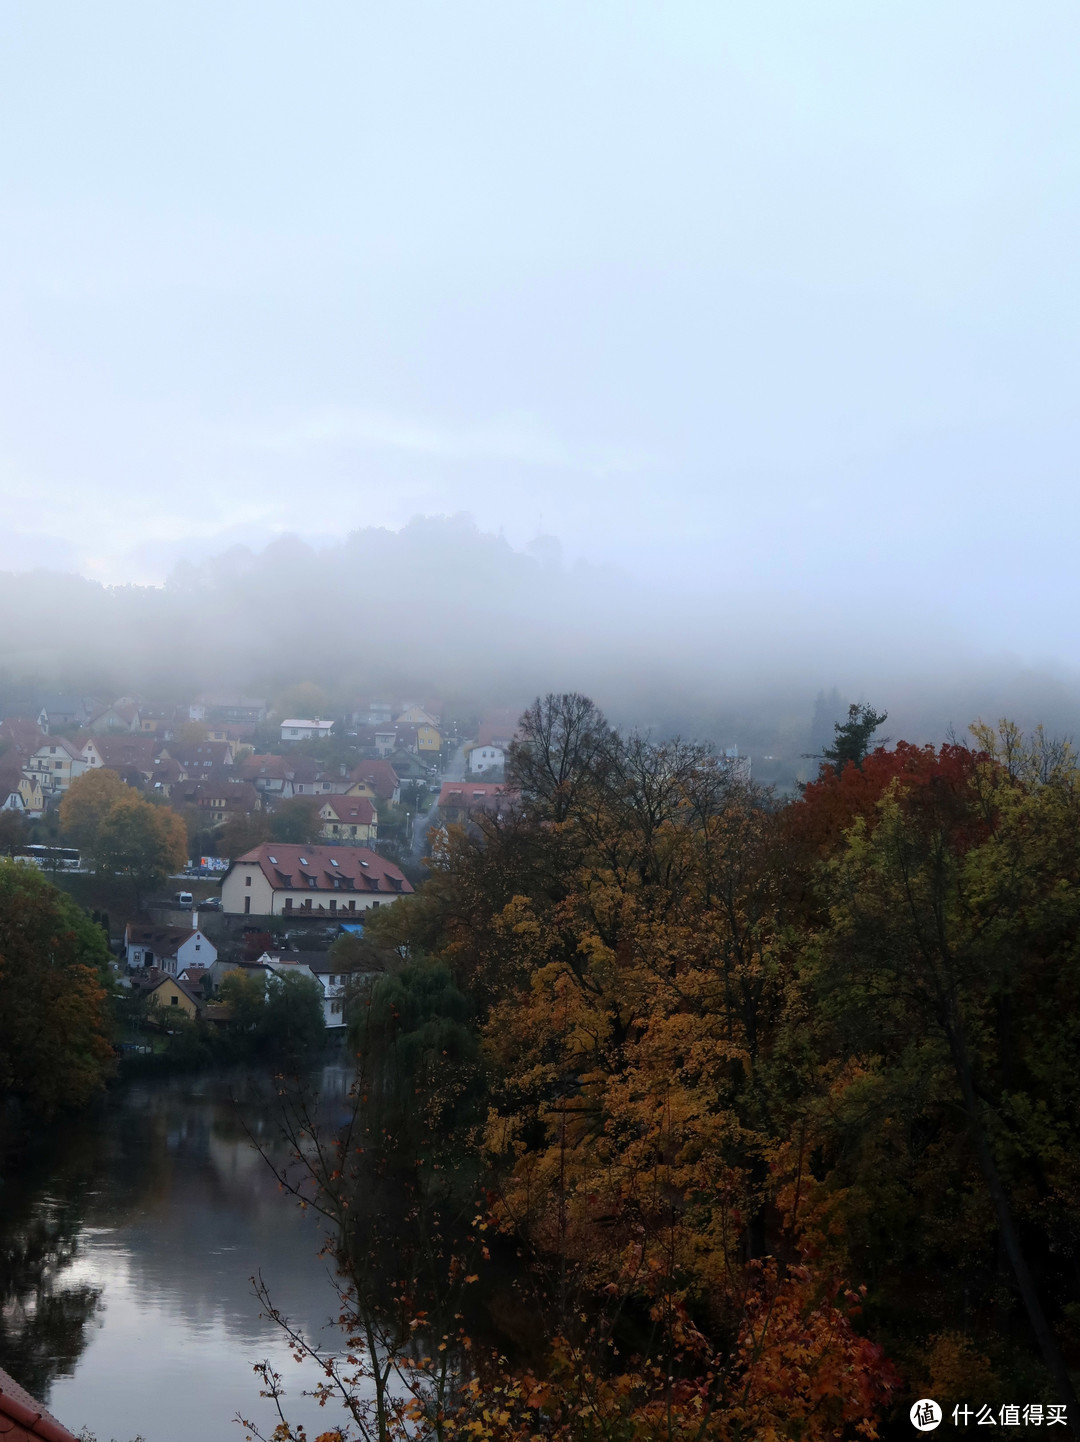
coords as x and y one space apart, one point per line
379 775
288 867
469 796
123 751
22 1418
352 810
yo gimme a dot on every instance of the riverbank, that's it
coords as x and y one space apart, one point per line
129 1235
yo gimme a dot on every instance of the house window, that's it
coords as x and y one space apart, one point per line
198 946
247 905
174 1001
352 905
335 1008
288 903
333 906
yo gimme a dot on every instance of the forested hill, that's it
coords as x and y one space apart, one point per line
442 607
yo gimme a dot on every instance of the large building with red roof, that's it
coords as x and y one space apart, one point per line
279 879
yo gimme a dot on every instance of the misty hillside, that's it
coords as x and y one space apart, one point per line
442 608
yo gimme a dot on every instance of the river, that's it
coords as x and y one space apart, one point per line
128 1237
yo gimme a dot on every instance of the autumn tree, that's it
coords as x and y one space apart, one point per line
192 733
54 1000
86 803
934 1002
142 842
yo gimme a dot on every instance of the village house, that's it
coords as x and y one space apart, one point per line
234 710
381 779
423 739
460 801
217 973
20 792
372 713
64 713
126 755
55 764
279 879
415 715
201 757
155 721
348 818
172 994
122 715
194 976
216 800
300 730
317 965
282 777
490 757
170 948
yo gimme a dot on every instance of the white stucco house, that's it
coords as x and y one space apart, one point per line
170 948
297 729
481 758
319 966
279 879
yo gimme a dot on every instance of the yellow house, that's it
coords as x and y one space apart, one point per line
414 715
348 818
33 798
172 995
361 788
428 739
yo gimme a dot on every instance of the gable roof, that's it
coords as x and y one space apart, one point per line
162 940
202 756
333 869
181 986
490 796
379 775
119 752
50 744
352 810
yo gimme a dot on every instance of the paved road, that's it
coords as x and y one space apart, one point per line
455 771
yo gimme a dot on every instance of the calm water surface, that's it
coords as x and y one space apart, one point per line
127 1242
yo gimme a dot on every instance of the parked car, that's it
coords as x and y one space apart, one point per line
184 900
212 903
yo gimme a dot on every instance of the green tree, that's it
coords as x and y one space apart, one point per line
245 993
241 834
296 821
54 995
853 736
13 832
292 1025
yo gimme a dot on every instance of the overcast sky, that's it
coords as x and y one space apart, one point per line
774 297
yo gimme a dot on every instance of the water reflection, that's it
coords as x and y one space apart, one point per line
127 1240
